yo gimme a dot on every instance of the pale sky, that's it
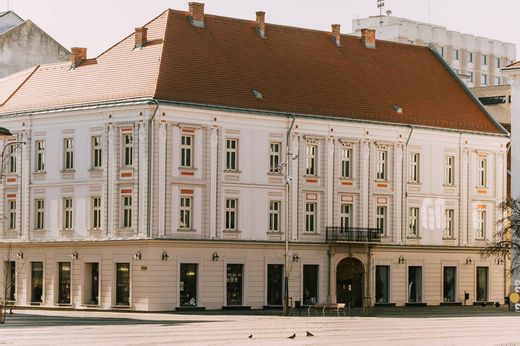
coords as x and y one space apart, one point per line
98 24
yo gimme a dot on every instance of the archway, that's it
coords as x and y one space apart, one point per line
350 275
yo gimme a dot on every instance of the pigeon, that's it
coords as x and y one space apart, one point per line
309 334
292 336
250 336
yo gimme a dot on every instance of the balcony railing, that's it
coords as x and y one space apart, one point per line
353 234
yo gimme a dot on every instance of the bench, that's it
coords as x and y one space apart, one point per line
323 307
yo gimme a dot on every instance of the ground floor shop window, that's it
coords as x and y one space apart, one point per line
36 282
310 284
449 283
91 280
188 284
234 284
10 280
64 283
382 284
122 283
482 284
414 284
274 284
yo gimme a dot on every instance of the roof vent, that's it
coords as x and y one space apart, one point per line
141 37
397 108
368 37
258 94
260 23
197 14
77 56
336 34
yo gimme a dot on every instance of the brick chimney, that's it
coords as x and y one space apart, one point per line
368 37
197 14
77 56
336 34
141 37
260 23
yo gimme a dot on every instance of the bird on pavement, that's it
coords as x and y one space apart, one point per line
292 336
309 334
250 336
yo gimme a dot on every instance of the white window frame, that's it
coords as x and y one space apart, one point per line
414 165
275 208
11 165
96 146
449 220
67 214
68 154
127 153
497 62
381 219
471 77
187 151
232 154
470 57
413 229
497 80
231 214
11 214
346 163
481 225
311 217
275 157
95 212
449 170
482 172
484 59
39 149
126 221
346 215
311 159
186 212
382 165
484 79
456 53
39 214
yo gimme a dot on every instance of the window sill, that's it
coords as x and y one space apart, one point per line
90 305
68 305
187 169
186 230
118 306
95 170
232 171
274 232
311 176
310 233
413 237
274 174
449 238
39 230
231 231
40 172
64 171
449 185
414 183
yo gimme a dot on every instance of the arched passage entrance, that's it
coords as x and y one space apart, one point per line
350 272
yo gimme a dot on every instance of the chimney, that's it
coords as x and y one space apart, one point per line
77 56
368 37
336 34
260 23
141 37
197 14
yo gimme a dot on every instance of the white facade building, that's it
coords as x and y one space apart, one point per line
134 189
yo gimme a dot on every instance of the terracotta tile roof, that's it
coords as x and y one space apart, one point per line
296 70
515 64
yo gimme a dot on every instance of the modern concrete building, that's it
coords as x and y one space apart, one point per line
168 172
477 60
496 100
23 44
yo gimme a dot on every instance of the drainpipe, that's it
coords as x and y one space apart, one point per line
403 184
150 170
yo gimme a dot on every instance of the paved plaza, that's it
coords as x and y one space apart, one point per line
470 326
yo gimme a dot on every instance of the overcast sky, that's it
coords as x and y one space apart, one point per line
98 24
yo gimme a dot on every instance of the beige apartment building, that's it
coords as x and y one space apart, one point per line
168 172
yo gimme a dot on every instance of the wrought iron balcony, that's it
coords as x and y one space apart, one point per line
353 234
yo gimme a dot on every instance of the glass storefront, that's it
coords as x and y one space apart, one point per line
122 283
482 284
274 284
234 282
36 282
415 284
310 284
188 284
449 283
382 284
64 283
91 281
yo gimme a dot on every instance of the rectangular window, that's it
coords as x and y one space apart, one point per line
484 79
10 279
231 154
234 284
484 59
414 284
497 80
345 216
128 149
64 283
11 214
381 219
441 51
481 225
68 158
346 163
310 217
186 212
310 163
449 219
231 214
275 157
455 54
274 284
470 57
382 284
123 284
40 156
186 151
11 164
95 212
449 170
497 62
274 216
414 222
36 282
414 168
39 215
471 78
126 211
382 156
67 214
91 292
310 284
482 284
449 283
97 152
482 172
188 284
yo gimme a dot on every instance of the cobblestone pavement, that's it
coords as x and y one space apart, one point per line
471 326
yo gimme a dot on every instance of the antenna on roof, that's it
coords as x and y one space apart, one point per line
380 5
